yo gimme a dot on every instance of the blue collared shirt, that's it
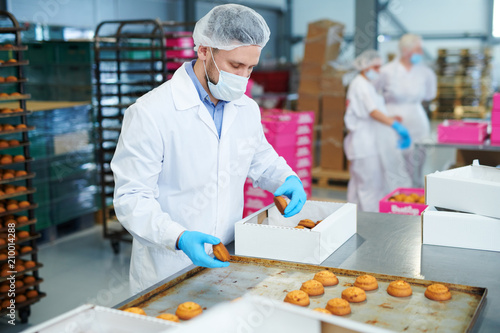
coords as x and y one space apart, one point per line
216 111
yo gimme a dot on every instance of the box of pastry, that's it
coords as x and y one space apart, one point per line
268 234
99 319
456 229
472 189
404 201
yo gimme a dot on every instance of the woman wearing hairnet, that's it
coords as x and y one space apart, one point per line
405 83
370 136
187 147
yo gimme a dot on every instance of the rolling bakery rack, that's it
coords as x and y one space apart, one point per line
131 58
18 255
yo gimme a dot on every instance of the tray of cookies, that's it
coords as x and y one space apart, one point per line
385 301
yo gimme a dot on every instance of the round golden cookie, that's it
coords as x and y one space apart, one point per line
354 295
325 311
188 310
307 223
300 227
297 297
313 288
437 292
281 204
338 306
169 317
326 278
366 282
136 311
399 288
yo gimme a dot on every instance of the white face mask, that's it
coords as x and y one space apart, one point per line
230 86
372 75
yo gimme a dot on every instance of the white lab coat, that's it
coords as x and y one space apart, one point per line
173 173
376 166
404 91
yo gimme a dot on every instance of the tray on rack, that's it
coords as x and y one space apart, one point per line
274 279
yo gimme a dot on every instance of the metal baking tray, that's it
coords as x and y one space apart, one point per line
274 279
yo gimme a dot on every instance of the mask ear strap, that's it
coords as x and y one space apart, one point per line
205 68
213 59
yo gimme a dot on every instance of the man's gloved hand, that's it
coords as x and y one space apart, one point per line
192 243
405 141
293 189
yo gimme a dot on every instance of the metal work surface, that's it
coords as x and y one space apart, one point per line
432 142
385 244
274 279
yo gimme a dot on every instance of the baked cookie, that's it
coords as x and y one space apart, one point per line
326 278
313 288
338 306
188 310
169 317
300 227
297 297
437 292
281 204
366 282
307 223
136 310
354 295
325 311
221 252
399 288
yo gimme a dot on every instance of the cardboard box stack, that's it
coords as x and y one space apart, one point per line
495 120
290 133
463 208
321 90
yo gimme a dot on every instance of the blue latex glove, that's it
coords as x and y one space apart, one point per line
294 190
405 141
192 243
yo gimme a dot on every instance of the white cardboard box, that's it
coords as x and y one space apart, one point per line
258 314
99 319
267 234
473 189
456 229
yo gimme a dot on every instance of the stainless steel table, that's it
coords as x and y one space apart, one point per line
391 244
432 142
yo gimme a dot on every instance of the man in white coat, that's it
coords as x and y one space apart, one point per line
405 83
186 148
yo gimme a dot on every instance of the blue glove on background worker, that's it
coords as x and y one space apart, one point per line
405 141
192 243
294 190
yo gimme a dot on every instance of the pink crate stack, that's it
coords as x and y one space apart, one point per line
458 131
290 134
495 120
180 45
402 208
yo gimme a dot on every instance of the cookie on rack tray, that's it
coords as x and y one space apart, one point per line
338 306
326 278
169 317
366 282
136 310
437 292
188 310
354 295
297 297
399 288
313 288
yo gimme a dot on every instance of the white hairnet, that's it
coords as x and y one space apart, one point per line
409 41
367 59
227 27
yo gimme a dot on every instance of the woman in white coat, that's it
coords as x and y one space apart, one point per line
405 83
370 136
186 148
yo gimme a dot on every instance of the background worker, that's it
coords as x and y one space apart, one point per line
405 83
370 143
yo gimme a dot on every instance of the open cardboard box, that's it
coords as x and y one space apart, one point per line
99 319
456 229
268 234
258 314
472 189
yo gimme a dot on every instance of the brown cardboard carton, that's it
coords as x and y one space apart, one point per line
323 41
332 132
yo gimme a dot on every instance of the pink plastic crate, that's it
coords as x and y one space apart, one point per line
457 131
303 162
496 101
304 140
495 118
172 66
402 208
183 54
179 39
303 151
495 134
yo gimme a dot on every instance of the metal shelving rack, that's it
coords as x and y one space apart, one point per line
131 58
14 174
